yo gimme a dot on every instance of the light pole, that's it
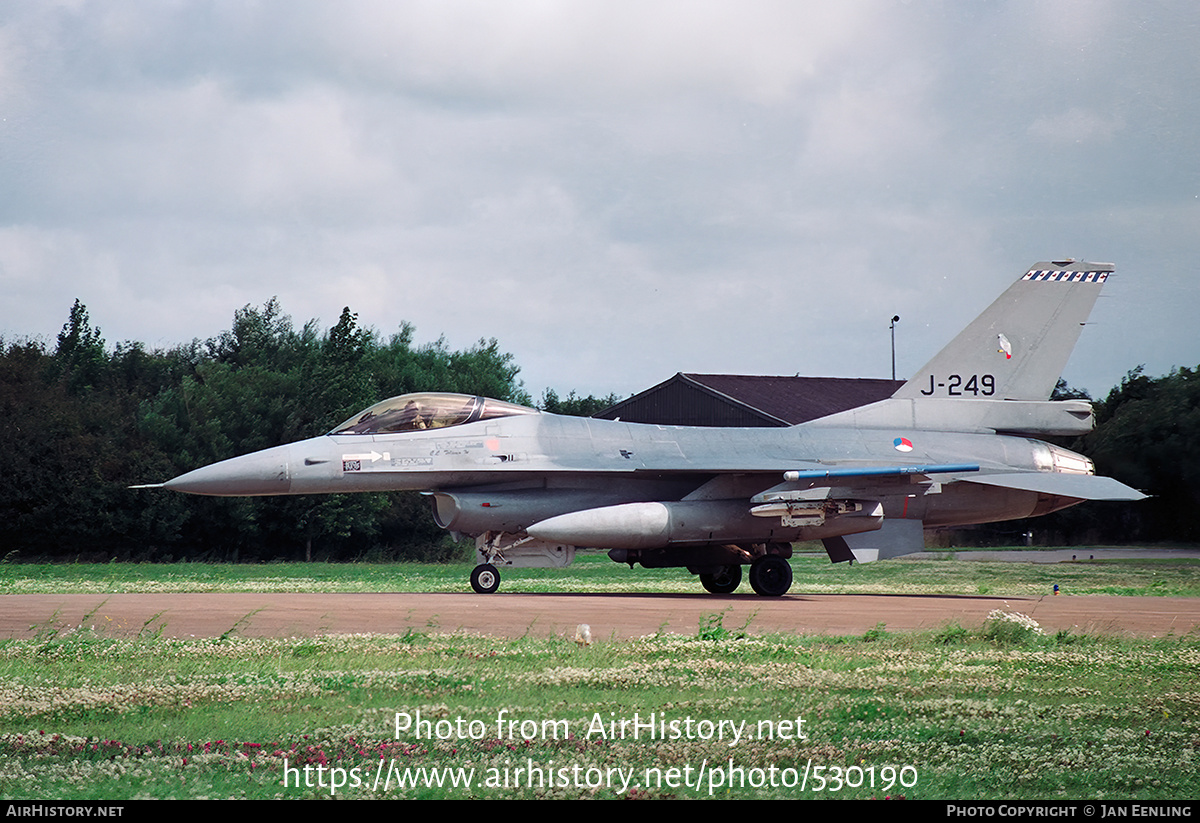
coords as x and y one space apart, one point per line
895 320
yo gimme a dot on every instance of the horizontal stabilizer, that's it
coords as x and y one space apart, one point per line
894 539
1063 484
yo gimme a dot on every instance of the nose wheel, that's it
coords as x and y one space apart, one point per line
485 579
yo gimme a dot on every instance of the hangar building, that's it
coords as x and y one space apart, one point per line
747 400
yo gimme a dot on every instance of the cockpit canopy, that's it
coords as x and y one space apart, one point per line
427 410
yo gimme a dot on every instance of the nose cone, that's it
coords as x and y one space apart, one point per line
261 473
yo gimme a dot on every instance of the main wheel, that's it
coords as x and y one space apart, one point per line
485 579
771 576
724 581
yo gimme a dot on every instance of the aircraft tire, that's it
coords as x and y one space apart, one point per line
723 582
771 576
485 579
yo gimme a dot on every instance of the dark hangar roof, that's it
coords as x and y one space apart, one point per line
747 400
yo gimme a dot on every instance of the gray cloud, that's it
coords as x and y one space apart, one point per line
616 191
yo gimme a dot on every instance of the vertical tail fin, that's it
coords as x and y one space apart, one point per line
1018 347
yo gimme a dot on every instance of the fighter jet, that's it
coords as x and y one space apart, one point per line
957 444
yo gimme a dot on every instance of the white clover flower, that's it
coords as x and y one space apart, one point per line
1024 621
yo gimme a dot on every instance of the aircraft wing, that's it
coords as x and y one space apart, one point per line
1063 484
865 480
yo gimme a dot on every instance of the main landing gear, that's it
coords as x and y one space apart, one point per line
771 575
485 579
724 581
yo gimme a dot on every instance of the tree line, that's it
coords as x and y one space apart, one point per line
79 423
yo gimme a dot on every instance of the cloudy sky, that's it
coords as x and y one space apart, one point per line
614 190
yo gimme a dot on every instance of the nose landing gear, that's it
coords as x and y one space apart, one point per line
485 579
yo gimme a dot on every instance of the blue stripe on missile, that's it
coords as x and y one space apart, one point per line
880 471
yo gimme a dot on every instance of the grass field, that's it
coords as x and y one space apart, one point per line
593 572
1006 711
